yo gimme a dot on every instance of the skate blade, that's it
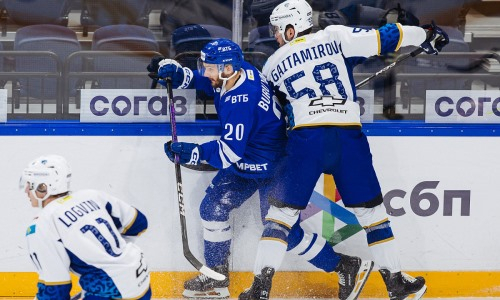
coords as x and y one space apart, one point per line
363 273
216 293
418 294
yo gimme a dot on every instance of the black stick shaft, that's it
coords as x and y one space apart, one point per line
392 65
180 196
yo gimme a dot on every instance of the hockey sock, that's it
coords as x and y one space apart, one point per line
216 253
270 253
380 237
274 241
386 255
217 236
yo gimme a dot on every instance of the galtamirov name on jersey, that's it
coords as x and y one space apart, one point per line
303 56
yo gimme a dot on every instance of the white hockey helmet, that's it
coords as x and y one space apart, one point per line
297 13
50 173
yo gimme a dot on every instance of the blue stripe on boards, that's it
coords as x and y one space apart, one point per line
212 128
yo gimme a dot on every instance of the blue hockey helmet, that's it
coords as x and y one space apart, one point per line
221 52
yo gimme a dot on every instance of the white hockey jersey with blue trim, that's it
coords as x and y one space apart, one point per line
82 232
315 73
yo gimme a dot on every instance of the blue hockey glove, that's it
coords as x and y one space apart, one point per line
189 153
169 68
436 39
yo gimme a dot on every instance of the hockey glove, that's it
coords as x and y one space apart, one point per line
189 153
169 68
436 39
153 65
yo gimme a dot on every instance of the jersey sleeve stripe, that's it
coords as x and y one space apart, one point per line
379 44
131 223
400 36
227 155
137 226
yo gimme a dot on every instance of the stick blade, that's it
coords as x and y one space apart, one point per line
211 273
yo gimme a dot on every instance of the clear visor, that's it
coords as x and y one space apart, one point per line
273 30
209 70
27 180
23 183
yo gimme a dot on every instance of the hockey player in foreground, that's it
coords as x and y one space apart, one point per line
314 72
86 232
251 145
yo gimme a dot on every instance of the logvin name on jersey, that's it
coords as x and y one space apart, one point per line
71 215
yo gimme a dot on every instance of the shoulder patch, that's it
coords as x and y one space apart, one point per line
63 199
250 75
298 40
31 229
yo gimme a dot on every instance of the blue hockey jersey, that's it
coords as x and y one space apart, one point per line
253 127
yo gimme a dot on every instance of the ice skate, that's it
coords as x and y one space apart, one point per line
353 273
261 286
205 287
402 286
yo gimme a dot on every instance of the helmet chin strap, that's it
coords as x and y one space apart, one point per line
224 80
284 36
39 200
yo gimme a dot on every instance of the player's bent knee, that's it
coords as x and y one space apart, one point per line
214 211
283 215
278 223
275 231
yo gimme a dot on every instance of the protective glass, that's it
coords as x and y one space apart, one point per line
273 30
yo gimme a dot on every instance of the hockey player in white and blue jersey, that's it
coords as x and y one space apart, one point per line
87 232
251 144
314 73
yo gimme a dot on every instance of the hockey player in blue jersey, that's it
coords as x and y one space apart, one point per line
314 73
86 232
251 144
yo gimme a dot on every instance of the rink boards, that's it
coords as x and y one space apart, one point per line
439 184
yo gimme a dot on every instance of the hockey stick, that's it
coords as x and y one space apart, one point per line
77 296
180 197
392 65
201 167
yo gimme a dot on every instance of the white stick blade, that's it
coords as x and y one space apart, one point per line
211 273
